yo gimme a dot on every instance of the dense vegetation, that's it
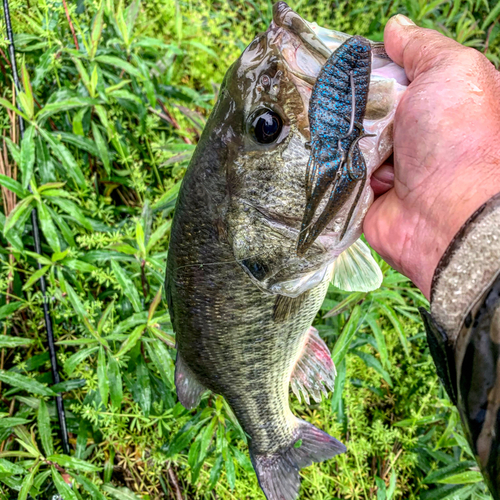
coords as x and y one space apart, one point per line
115 97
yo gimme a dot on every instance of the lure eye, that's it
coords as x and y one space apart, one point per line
266 126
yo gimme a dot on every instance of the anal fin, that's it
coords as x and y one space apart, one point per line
314 371
189 390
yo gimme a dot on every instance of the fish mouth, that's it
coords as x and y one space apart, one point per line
308 45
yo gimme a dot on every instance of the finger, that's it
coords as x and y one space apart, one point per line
382 179
417 49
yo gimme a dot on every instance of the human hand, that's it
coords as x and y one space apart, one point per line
446 150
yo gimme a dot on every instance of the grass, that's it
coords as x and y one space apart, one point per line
115 101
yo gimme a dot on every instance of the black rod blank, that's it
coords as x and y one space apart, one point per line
38 249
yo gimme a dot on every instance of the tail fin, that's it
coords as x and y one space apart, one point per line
278 474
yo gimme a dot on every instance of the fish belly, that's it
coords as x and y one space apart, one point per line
235 346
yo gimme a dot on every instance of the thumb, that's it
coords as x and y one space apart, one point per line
419 50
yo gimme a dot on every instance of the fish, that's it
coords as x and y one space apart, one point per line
241 298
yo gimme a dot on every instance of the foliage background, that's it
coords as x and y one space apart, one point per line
115 99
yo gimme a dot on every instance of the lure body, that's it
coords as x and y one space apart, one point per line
336 113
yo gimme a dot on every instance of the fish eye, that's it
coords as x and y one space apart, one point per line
256 268
266 126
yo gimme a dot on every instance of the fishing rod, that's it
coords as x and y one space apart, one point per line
38 249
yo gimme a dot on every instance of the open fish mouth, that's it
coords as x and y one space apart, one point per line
313 44
305 48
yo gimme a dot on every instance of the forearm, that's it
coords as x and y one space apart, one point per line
464 330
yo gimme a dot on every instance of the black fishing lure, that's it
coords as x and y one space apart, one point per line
336 112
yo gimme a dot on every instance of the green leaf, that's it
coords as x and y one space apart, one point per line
154 304
168 198
62 487
69 385
60 106
207 435
72 210
144 383
122 493
90 487
115 382
8 309
230 470
14 150
102 148
27 101
448 492
102 376
40 479
492 16
76 302
14 186
125 94
345 338
392 485
12 422
379 337
160 356
215 472
452 470
23 207
78 357
35 277
158 235
25 383
467 477
104 317
373 362
28 482
140 238
339 385
73 463
27 155
127 286
62 153
391 315
8 105
351 299
131 340
12 342
80 142
7 467
84 75
79 265
44 429
119 63
48 228
66 232
44 162
95 36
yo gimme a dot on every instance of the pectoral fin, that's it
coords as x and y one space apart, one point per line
355 270
314 371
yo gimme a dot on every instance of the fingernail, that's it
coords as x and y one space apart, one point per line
403 20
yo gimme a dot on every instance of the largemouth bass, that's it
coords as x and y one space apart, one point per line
241 299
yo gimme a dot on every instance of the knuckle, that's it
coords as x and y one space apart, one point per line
471 58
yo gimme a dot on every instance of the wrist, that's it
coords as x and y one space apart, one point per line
447 218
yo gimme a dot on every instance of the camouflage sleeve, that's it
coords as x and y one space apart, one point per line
463 331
